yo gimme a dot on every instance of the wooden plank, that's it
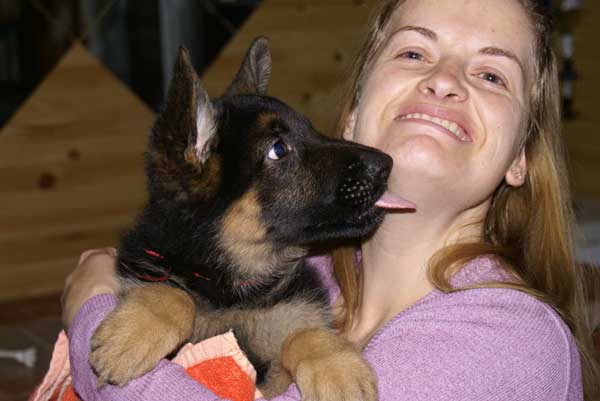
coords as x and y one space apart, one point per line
313 45
582 133
70 160
71 173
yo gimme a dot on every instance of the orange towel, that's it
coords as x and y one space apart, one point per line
218 363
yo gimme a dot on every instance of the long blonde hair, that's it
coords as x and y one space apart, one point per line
535 244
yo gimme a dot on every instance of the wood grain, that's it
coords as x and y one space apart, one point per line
313 44
582 133
71 174
71 158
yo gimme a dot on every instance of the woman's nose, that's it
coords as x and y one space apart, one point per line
444 83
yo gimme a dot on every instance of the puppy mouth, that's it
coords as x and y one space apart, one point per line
387 201
391 201
368 220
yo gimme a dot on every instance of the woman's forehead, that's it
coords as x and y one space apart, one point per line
479 23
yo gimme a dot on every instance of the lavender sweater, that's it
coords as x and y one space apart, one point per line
479 344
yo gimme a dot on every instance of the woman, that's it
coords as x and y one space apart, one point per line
476 295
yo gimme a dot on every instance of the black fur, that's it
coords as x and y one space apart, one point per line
322 190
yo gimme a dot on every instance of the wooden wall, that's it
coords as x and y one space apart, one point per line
70 159
70 173
313 43
583 133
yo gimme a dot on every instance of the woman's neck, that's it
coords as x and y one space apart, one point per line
395 261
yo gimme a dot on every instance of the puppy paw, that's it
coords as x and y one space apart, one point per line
325 367
149 323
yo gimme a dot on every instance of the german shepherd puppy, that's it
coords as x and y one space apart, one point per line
240 188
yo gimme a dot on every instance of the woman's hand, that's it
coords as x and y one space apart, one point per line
95 274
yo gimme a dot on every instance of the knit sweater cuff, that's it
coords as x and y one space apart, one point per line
167 382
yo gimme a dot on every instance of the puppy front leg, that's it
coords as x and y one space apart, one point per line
326 367
149 323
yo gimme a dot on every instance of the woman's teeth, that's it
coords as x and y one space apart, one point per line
449 125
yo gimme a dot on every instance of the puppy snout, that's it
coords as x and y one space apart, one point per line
379 165
356 192
364 179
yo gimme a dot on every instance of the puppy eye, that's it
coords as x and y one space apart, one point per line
278 150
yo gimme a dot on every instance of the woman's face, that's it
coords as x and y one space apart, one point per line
446 97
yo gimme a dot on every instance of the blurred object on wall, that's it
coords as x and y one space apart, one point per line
566 16
136 39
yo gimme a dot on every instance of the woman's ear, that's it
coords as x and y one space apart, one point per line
517 172
348 133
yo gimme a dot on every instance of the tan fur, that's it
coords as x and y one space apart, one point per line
150 322
327 367
201 187
277 381
264 119
191 156
243 236
273 307
210 179
268 326
265 331
166 168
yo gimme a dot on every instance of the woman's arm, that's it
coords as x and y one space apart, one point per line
88 298
166 382
95 274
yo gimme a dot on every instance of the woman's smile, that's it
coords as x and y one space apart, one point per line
443 120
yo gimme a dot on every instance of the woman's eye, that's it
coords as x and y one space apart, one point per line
411 55
278 150
493 78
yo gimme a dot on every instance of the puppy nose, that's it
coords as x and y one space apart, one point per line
378 164
364 177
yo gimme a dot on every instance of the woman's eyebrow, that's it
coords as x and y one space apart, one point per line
496 51
422 30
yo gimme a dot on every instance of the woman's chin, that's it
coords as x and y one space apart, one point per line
419 153
421 179
419 166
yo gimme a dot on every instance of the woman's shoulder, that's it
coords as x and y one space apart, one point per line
511 317
500 337
506 314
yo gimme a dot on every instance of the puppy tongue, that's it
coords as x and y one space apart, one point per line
392 201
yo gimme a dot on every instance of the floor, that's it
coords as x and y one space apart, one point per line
24 324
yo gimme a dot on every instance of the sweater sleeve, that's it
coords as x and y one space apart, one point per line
167 382
489 344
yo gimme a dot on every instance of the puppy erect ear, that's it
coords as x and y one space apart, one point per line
253 76
188 114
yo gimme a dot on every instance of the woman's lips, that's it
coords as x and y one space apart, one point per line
450 126
450 122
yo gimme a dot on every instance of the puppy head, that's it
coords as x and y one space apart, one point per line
287 186
273 184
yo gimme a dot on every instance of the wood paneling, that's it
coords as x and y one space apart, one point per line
70 160
313 44
71 173
583 133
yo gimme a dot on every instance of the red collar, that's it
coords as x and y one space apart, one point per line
167 275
